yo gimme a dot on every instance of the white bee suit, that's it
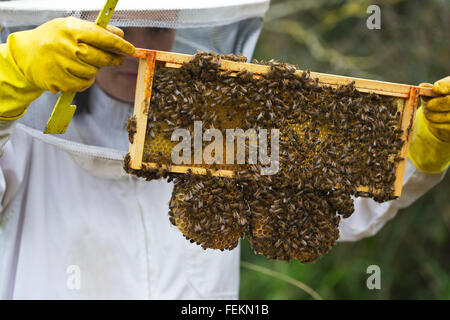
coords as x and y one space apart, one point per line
74 225
67 207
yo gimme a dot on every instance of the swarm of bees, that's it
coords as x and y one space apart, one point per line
211 212
333 140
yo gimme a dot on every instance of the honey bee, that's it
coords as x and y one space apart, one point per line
131 128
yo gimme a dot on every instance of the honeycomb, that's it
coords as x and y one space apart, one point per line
332 140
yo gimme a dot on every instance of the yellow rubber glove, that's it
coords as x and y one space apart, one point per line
429 150
61 55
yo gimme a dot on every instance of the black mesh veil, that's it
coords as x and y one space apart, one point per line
221 26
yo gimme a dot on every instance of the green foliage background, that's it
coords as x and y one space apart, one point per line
413 46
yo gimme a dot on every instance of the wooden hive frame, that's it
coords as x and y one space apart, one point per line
147 60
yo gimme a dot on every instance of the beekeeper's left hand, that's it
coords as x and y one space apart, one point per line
430 141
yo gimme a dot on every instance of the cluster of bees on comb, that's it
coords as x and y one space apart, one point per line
332 140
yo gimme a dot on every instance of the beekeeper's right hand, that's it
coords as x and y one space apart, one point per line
61 55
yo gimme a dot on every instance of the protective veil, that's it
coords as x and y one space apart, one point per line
74 225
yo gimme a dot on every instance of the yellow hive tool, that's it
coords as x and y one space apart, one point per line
63 111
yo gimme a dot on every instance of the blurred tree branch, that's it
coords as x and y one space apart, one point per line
318 50
330 18
285 8
330 14
282 277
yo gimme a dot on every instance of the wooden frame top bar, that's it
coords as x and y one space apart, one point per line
364 85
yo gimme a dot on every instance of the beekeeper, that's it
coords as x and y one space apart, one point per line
72 223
